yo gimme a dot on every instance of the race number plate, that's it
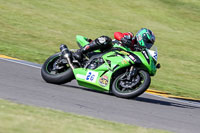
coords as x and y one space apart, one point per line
91 76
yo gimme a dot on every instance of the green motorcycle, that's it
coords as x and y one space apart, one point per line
119 70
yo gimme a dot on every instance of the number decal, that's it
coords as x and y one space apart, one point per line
88 75
91 76
155 56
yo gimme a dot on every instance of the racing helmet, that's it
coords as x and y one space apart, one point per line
145 38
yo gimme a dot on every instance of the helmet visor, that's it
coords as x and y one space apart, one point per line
148 45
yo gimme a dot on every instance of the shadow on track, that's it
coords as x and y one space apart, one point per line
165 103
86 89
140 98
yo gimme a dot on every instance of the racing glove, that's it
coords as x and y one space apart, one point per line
138 47
126 42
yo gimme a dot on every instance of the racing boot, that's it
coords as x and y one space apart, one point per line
79 54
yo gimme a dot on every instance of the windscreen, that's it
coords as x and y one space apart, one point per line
153 52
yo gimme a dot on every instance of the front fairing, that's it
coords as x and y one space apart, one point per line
149 59
148 62
145 59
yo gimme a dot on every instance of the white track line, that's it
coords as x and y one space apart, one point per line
18 62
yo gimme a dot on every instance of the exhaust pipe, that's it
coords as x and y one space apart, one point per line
66 54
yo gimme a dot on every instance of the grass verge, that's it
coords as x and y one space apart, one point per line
16 118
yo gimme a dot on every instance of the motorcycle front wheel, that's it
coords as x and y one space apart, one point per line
55 71
121 87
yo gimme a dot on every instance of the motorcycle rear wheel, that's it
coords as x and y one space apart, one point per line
143 85
52 73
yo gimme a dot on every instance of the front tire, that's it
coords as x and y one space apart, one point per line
53 72
137 90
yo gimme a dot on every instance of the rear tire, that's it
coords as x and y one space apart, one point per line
117 89
60 76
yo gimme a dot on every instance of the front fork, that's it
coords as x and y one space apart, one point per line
132 73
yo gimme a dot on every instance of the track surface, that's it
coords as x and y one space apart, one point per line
23 84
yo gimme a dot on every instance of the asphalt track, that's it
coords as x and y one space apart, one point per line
21 82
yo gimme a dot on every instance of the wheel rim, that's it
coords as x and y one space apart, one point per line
124 90
54 68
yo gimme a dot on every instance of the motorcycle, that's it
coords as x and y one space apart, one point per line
120 71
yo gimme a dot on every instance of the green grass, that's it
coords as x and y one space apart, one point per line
15 118
33 30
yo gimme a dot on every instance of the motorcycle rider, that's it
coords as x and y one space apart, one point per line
144 38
